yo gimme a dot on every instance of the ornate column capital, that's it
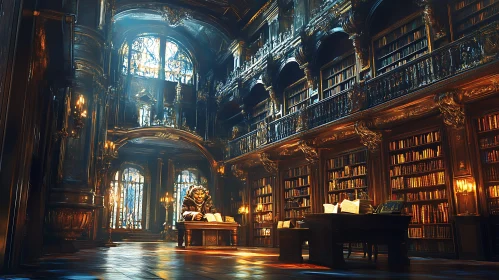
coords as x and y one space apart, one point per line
303 55
311 154
370 139
452 112
269 165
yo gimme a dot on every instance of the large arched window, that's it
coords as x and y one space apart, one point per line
145 54
128 192
185 179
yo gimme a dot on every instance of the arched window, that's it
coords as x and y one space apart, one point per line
128 192
144 55
185 179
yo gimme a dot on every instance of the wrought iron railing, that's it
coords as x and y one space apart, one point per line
462 55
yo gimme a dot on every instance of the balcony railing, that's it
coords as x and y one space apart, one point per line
467 53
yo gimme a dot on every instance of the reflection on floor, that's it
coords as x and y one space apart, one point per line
163 261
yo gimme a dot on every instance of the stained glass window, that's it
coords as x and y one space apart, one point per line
185 179
128 193
145 59
178 65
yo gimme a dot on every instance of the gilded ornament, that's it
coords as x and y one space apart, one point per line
311 154
453 113
269 165
238 173
174 17
475 92
368 138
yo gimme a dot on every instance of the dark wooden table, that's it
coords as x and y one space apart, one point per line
207 235
328 232
290 244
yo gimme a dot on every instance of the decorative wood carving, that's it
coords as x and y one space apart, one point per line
174 17
269 165
303 55
481 90
357 98
452 112
430 17
311 154
368 138
353 25
405 113
335 137
238 173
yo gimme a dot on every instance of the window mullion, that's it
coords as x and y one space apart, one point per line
162 48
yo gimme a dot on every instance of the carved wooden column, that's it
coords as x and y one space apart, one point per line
72 199
378 192
469 223
312 157
304 55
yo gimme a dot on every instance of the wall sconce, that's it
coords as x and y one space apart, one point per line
221 169
79 114
166 200
109 152
465 194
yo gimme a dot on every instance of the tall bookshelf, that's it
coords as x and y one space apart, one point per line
297 186
298 97
346 176
406 42
338 75
488 144
418 176
258 114
469 14
262 210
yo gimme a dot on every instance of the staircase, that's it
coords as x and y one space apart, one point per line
143 236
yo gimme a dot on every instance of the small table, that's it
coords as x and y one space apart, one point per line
207 235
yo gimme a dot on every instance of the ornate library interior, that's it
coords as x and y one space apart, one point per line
226 139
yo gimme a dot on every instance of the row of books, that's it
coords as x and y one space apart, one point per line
475 7
339 66
347 172
493 191
339 88
494 207
297 192
402 43
430 232
263 199
263 208
427 195
492 173
297 99
262 218
403 53
403 62
416 155
267 189
295 89
297 213
298 182
296 203
263 182
489 142
412 169
349 184
350 159
431 246
341 76
432 179
490 156
298 171
430 214
488 122
415 141
338 197
399 32
458 5
484 15
262 232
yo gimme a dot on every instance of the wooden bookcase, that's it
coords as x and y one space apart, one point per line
262 210
297 96
405 41
338 75
488 143
297 190
258 114
346 176
467 15
418 176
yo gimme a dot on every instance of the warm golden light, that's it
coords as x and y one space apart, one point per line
259 207
243 210
465 185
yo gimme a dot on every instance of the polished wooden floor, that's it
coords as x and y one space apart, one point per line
158 260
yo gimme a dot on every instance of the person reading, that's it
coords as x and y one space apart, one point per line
197 203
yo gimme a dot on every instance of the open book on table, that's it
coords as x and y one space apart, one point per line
216 217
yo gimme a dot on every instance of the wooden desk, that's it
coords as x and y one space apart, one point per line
207 235
328 232
290 244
